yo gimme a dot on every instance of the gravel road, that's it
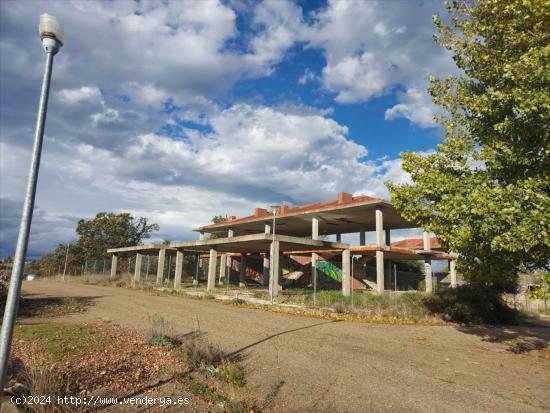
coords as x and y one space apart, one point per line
301 364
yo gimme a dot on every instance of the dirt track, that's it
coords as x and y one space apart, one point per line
306 364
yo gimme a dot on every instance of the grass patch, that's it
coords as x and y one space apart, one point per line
161 332
210 296
58 339
219 402
228 372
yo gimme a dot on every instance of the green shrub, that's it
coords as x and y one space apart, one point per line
469 304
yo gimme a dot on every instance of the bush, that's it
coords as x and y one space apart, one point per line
469 304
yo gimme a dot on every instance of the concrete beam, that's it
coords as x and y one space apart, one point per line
160 267
114 263
211 270
179 270
137 268
346 280
242 271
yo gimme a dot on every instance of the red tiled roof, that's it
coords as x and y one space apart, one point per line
417 243
344 199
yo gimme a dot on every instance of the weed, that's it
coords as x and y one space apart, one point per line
201 353
161 332
228 372
210 296
238 301
339 308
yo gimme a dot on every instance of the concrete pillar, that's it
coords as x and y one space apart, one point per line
211 270
314 236
275 268
179 270
452 272
160 267
197 269
362 236
379 254
267 229
338 237
388 237
265 272
229 233
427 263
242 271
137 268
346 280
223 265
201 235
114 263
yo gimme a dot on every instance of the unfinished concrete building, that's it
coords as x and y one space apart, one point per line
290 246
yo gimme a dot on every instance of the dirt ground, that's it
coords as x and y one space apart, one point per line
300 364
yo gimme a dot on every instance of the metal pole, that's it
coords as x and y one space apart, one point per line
272 282
12 299
66 257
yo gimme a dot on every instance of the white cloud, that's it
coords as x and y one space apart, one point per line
83 94
415 106
372 47
253 156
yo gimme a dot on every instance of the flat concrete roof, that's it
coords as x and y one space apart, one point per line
245 244
347 214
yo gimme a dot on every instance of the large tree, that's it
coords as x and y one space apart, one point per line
485 191
110 230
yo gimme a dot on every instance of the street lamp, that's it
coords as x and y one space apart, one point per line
274 209
52 40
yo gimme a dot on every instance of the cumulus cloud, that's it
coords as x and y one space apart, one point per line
415 106
370 48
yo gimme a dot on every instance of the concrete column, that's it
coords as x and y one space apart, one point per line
314 236
267 229
346 280
160 267
114 263
223 264
427 263
197 269
275 268
265 272
452 272
242 271
179 270
137 268
379 254
362 236
229 233
201 235
211 270
338 237
388 237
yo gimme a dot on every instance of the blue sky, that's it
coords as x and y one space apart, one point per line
183 110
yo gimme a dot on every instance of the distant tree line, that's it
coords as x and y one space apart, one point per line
106 230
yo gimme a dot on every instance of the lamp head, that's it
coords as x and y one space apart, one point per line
51 33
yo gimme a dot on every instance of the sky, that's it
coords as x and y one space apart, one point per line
182 110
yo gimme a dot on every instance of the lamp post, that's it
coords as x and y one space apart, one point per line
52 40
274 209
